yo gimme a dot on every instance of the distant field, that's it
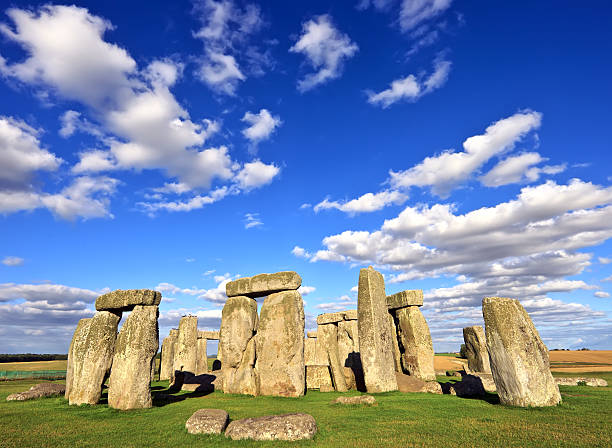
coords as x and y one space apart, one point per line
581 361
34 365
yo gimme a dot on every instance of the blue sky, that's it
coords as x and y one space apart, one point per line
460 147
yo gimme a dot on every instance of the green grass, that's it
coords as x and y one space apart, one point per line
399 420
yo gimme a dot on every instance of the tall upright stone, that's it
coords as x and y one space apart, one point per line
280 345
185 353
137 343
415 340
96 358
519 359
375 343
202 358
476 349
239 323
397 355
327 336
76 352
348 341
166 365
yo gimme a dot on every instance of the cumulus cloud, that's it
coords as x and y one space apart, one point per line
369 202
215 295
520 168
12 261
340 304
305 290
604 260
256 174
325 48
262 125
411 88
601 294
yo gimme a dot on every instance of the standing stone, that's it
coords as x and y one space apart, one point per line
319 377
519 359
96 358
166 365
280 345
237 345
76 352
137 343
476 349
202 359
397 356
375 343
348 341
263 284
415 339
185 353
328 337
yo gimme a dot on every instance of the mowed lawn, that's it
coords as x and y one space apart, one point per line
399 420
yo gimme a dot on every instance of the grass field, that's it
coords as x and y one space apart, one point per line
34 365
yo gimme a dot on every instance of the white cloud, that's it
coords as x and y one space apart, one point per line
215 295
607 279
305 290
369 202
604 260
53 294
193 203
256 174
415 12
12 261
601 294
252 220
517 169
95 161
340 304
449 169
325 48
72 121
221 73
262 125
300 252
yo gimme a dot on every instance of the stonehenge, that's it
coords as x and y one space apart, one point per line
476 349
519 359
166 365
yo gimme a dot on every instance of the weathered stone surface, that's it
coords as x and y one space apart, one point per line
576 381
476 349
311 334
415 341
273 427
126 300
375 342
407 383
368 400
207 421
350 315
137 343
348 341
166 366
237 345
486 379
329 318
318 377
201 357
315 353
186 351
349 378
91 365
519 359
280 345
263 284
76 352
397 355
210 335
328 338
38 391
410 297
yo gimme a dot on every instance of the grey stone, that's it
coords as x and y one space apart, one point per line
186 351
273 427
328 338
41 390
397 355
207 421
519 359
201 357
410 297
476 349
166 366
318 377
416 344
368 400
575 381
407 383
126 300
92 362
210 335
375 342
239 322
311 334
350 315
263 284
76 352
280 345
329 318
348 341
137 342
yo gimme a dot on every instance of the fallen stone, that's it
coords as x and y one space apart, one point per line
137 342
126 300
350 315
280 345
519 359
207 421
166 365
318 377
476 349
358 400
92 359
410 297
375 343
201 357
210 335
329 318
273 427
239 322
263 284
328 338
407 383
186 351
415 339
41 390
581 381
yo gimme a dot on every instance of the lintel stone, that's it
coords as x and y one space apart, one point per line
350 314
211 335
403 299
126 300
264 284
329 318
